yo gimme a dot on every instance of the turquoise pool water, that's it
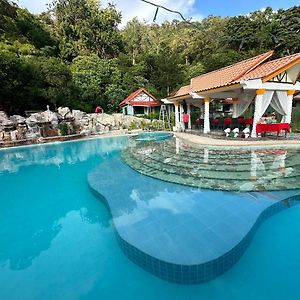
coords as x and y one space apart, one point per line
58 241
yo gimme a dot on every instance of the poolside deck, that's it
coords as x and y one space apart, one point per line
218 140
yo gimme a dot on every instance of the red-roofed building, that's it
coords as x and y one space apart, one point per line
140 102
255 80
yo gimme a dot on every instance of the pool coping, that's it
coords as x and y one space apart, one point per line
211 142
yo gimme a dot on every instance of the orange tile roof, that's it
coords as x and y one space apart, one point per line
271 67
251 68
183 90
227 75
132 96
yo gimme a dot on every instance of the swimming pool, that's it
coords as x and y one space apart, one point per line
58 240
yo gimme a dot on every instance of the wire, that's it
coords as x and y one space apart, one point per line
165 8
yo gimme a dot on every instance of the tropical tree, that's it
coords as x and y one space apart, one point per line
85 28
93 79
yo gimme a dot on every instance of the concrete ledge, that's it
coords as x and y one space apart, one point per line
208 141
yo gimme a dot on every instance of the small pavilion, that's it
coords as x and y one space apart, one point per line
140 102
257 80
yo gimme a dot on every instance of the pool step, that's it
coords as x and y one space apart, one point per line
241 171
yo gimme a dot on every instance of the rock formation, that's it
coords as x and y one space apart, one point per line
65 122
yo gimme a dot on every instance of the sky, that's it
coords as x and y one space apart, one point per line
195 9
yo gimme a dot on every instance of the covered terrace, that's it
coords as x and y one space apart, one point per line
257 80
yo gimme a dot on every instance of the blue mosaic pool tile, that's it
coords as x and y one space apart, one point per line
178 233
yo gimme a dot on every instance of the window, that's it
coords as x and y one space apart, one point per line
139 110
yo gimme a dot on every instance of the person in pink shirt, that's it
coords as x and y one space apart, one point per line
185 120
98 109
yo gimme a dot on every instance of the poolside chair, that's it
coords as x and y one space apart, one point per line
220 124
236 132
246 133
227 132
235 124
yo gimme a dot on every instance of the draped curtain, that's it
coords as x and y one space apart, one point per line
281 104
261 104
241 106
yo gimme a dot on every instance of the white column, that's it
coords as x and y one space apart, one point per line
290 95
177 121
206 116
257 110
189 113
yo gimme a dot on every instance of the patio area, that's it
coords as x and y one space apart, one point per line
258 91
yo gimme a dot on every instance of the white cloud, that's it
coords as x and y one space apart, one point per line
134 8
145 12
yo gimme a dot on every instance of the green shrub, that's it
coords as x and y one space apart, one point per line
172 119
194 116
133 125
248 114
153 116
64 128
296 119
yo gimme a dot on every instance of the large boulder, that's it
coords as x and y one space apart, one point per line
14 135
126 121
78 114
104 119
65 112
4 120
36 118
50 116
16 119
3 117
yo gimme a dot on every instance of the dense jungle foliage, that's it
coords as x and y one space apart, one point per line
76 55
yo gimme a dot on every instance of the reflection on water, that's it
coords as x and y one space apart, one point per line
277 166
39 186
56 154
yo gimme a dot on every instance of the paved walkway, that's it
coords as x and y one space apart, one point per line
203 140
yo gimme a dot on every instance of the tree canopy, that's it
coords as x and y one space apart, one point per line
75 54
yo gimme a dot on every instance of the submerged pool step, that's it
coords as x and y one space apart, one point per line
226 159
225 183
234 153
213 155
185 161
192 166
190 170
210 168
218 173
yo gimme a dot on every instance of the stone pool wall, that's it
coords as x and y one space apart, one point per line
49 125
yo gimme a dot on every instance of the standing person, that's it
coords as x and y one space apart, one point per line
98 109
186 119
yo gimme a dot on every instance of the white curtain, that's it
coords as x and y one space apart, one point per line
241 106
281 104
261 104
